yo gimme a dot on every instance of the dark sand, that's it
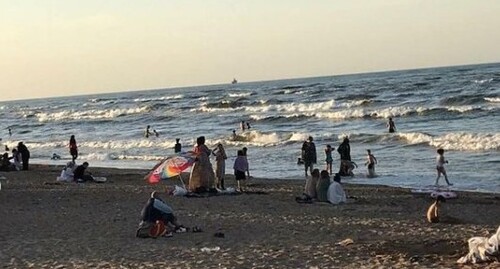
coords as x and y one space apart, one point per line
93 226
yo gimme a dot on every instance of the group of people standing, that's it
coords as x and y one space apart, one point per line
309 158
204 179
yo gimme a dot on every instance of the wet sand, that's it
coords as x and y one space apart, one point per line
44 225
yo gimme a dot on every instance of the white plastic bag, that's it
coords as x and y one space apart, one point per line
179 191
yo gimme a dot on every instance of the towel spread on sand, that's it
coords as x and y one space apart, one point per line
482 248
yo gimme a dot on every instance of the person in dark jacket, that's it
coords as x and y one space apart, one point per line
309 155
25 155
80 175
344 150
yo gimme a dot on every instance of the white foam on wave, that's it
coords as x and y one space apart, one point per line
163 98
89 114
241 94
462 109
492 99
108 144
456 141
115 156
482 81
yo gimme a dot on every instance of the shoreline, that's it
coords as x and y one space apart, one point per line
72 225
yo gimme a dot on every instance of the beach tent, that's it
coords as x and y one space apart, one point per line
170 167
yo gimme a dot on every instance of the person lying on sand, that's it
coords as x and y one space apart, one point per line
156 210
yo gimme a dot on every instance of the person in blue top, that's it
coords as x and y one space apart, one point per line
329 159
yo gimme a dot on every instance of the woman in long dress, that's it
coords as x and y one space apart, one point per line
202 176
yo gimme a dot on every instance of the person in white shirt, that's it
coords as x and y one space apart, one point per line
440 161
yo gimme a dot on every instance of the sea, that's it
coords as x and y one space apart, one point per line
454 108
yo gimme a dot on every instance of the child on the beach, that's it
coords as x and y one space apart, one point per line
322 186
240 168
329 159
440 161
370 162
432 212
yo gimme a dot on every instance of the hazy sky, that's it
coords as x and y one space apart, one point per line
69 47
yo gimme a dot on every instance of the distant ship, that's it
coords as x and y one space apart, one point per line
234 81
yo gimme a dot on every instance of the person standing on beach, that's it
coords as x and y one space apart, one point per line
178 146
25 155
220 160
309 155
440 161
344 150
391 125
370 162
242 125
245 152
73 149
202 175
329 159
240 166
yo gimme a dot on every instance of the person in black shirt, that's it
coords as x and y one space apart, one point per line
80 175
25 154
178 146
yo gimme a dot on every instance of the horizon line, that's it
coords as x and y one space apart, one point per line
246 82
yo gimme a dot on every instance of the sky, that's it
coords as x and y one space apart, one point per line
74 47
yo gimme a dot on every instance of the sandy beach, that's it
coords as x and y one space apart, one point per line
45 225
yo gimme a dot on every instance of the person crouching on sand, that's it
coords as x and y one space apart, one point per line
433 211
240 167
157 213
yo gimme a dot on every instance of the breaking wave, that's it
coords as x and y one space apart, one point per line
455 141
87 114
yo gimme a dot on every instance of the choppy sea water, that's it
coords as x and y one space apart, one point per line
456 108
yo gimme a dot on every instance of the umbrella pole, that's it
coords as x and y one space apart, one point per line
182 181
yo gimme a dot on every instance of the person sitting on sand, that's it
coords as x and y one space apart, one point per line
311 183
156 210
433 211
336 193
17 159
67 174
81 175
322 186
5 164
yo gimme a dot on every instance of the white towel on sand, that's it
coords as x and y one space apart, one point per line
482 248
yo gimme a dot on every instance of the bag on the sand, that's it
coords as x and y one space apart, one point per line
151 230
